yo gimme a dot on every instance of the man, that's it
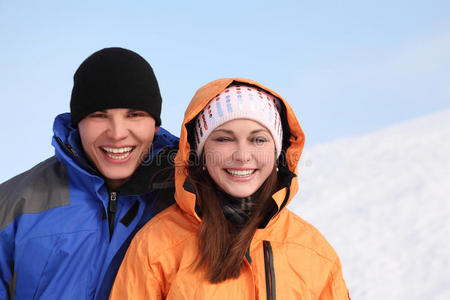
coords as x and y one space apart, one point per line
66 223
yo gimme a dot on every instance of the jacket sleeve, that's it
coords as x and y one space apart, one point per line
335 288
136 279
6 264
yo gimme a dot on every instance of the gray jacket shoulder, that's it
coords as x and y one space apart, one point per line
43 187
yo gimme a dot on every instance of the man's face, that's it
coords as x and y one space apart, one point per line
116 141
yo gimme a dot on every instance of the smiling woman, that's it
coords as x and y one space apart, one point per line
116 141
239 156
230 235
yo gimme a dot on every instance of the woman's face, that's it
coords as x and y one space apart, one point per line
239 156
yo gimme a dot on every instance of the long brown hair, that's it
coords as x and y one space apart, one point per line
222 245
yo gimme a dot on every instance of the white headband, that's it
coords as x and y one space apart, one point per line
240 102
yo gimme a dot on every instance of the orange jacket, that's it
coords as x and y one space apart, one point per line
290 259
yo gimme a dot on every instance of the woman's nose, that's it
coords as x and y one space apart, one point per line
242 153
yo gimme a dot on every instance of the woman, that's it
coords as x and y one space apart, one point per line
230 236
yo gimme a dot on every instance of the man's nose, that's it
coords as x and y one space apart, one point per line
118 129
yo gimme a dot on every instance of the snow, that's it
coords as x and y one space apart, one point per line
382 201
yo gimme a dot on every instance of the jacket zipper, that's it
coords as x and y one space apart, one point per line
112 205
112 208
270 272
67 147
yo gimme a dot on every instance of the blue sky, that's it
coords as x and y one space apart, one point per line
346 67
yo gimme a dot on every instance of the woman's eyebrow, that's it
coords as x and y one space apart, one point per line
259 130
225 131
232 132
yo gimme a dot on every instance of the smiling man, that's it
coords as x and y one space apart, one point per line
66 223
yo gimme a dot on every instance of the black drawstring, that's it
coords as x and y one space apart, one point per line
270 272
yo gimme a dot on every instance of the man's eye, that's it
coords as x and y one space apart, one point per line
97 115
135 114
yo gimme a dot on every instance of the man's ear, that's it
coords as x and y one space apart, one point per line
156 129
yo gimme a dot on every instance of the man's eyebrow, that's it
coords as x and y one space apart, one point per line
134 110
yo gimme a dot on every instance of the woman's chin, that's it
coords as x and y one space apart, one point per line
239 193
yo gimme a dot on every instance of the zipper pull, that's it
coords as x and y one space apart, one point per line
112 208
113 202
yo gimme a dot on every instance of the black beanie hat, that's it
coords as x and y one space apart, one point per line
114 78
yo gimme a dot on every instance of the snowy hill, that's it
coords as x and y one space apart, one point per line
383 201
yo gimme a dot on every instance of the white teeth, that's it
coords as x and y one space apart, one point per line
118 157
112 152
240 173
117 150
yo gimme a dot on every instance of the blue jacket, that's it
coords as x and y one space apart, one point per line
59 235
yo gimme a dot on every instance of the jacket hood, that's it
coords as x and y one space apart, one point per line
184 196
67 144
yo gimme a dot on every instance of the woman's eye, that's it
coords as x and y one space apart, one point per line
222 139
260 140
